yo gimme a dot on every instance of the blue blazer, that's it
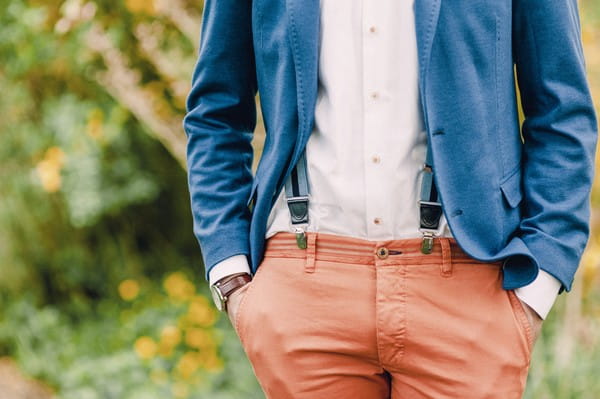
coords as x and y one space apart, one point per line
515 193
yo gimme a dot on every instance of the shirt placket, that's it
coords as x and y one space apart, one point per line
377 207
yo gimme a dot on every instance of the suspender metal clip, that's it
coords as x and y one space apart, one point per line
427 243
300 237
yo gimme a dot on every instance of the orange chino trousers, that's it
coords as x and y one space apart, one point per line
357 319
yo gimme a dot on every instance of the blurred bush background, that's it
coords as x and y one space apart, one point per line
102 290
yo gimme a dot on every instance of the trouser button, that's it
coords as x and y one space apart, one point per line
382 252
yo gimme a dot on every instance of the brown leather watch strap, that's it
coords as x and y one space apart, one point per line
229 284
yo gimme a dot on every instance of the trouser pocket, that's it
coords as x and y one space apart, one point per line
521 319
246 301
464 333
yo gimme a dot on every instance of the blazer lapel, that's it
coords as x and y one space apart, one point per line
427 13
303 31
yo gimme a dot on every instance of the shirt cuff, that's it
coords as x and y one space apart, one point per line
541 293
231 265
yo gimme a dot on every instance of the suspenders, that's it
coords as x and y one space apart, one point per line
430 209
296 192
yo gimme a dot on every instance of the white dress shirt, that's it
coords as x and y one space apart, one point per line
366 152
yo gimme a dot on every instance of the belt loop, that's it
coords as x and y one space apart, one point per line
446 268
311 249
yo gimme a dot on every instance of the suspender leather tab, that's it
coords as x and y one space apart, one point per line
298 207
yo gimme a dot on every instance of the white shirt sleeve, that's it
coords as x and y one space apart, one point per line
541 293
231 265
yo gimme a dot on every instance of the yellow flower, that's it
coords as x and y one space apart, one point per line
188 364
49 176
129 289
198 338
170 337
145 347
95 124
178 287
211 361
164 350
201 312
145 6
56 156
202 300
48 169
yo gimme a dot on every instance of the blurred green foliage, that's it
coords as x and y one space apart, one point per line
99 272
102 293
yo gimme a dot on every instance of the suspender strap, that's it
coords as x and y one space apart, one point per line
296 192
430 209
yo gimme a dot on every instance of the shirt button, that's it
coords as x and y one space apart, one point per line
374 95
372 29
377 220
375 159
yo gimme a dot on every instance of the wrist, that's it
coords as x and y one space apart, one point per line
540 294
224 279
223 288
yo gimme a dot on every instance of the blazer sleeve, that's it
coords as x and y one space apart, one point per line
220 120
559 132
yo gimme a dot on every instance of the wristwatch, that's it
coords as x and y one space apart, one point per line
223 288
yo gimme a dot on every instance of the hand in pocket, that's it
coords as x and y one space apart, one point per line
535 321
234 301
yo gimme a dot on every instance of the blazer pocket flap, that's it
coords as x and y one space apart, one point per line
511 188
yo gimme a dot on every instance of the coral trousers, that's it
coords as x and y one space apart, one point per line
352 318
